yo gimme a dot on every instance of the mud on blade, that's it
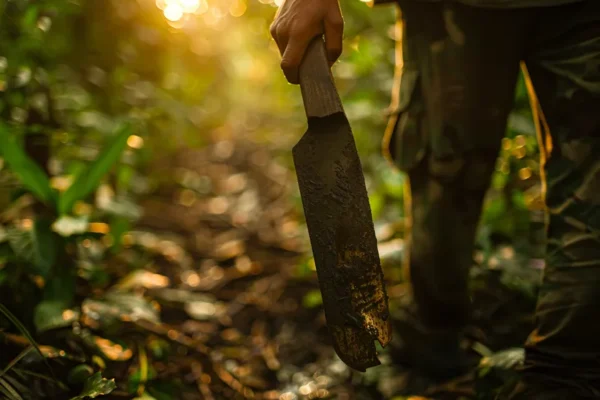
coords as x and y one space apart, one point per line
342 236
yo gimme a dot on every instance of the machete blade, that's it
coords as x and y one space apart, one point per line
340 226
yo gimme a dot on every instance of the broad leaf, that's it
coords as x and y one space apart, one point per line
6 252
80 374
37 246
53 315
59 293
90 178
31 175
96 386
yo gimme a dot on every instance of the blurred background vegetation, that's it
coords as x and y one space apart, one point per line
151 237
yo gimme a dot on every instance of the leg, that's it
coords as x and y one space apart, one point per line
456 90
564 350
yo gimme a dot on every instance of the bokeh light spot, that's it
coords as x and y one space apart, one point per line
173 12
190 6
525 173
135 142
238 8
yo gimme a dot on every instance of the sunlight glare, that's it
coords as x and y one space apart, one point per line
190 6
213 17
202 7
173 12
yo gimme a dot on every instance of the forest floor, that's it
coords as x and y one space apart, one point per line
242 285
214 295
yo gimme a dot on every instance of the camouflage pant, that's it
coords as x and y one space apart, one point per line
455 90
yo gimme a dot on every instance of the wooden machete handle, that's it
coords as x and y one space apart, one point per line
316 82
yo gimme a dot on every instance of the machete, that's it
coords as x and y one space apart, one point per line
339 220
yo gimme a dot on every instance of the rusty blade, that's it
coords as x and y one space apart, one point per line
340 226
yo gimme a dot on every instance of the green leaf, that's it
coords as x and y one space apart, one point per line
96 386
312 299
30 17
163 390
305 269
137 379
24 373
124 177
59 293
9 391
90 178
119 226
393 182
79 374
50 315
6 252
377 202
15 321
159 348
16 360
37 246
45 245
31 175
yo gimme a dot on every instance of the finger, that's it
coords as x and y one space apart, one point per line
334 34
281 7
281 37
278 31
293 55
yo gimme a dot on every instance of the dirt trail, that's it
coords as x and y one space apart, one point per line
241 306
225 232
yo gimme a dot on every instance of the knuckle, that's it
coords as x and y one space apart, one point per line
305 27
335 52
291 78
281 31
288 64
299 29
290 75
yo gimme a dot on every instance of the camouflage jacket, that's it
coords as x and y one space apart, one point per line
499 3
